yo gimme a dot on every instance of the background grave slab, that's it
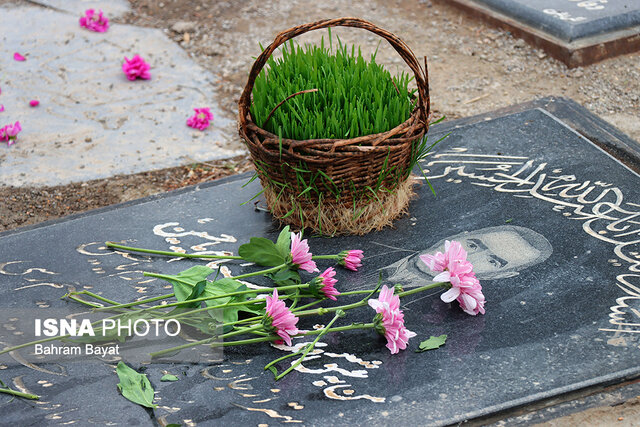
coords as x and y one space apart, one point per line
92 122
576 32
548 217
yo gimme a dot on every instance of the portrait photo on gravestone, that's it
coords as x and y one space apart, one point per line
421 212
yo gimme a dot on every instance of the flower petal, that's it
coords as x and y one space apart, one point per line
450 295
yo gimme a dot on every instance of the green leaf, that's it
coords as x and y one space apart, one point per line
184 282
135 386
168 378
285 277
226 286
432 343
283 245
262 252
196 292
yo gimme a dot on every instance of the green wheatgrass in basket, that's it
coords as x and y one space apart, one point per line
354 97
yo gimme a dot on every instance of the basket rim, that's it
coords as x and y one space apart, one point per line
416 125
387 135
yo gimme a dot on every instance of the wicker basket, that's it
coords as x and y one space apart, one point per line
351 165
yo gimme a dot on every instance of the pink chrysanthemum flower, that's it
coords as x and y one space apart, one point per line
1 108
18 57
9 133
280 319
454 268
328 282
201 119
136 67
300 254
94 21
351 260
34 103
390 320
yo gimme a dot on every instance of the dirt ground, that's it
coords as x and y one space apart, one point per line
473 68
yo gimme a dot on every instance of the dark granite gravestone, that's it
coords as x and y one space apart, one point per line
577 32
551 222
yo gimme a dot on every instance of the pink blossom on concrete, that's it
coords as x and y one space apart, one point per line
34 102
9 133
391 320
328 283
1 108
466 289
352 260
387 299
94 21
281 318
19 57
201 119
454 268
136 67
300 254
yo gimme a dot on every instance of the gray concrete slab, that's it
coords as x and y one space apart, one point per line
111 8
549 221
92 122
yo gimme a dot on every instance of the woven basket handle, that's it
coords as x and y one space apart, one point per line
421 76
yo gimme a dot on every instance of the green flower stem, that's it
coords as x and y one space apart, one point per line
366 291
180 347
296 298
261 272
28 344
310 346
247 320
90 304
326 257
205 341
280 359
424 288
230 294
19 394
241 331
161 297
321 311
91 294
311 304
274 338
175 254
135 303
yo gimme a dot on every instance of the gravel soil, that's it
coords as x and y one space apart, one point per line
473 68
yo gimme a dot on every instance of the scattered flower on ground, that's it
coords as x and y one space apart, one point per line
280 318
201 119
94 21
34 102
19 57
328 283
300 254
390 320
352 260
136 67
1 108
9 133
454 268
